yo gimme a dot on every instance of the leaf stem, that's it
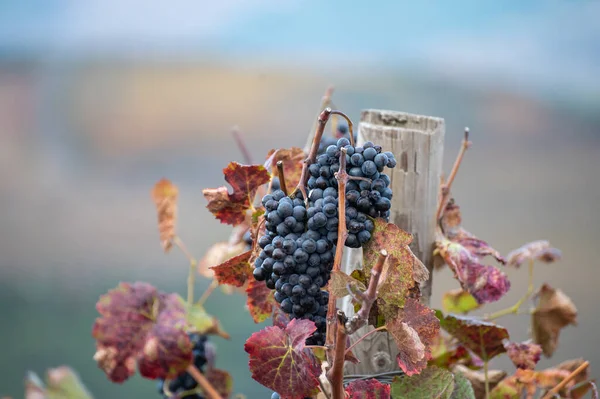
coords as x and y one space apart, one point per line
281 177
191 280
517 306
237 135
382 328
568 379
209 290
207 388
445 188
487 379
350 129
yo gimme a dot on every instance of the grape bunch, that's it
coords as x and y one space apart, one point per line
342 132
184 383
367 195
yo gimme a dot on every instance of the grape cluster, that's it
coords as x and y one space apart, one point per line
342 132
296 261
184 383
367 196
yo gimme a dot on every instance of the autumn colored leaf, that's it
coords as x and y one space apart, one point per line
221 380
367 389
230 208
340 282
536 250
462 388
280 361
451 225
432 383
260 300
293 160
571 365
483 338
141 326
459 301
216 255
477 379
528 382
553 312
486 283
414 329
201 322
61 383
235 271
280 318
445 353
524 355
164 195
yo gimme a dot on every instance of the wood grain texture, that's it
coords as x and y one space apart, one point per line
417 141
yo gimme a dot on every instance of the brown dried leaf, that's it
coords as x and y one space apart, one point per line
164 195
524 355
553 312
477 379
536 250
293 160
217 254
234 271
340 282
528 382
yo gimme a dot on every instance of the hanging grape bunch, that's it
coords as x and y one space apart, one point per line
298 248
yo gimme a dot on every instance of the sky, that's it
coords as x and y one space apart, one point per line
545 44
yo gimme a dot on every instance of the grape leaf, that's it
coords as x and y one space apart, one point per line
141 326
432 383
201 322
477 379
414 329
260 300
221 380
217 254
340 282
462 388
524 355
164 195
234 271
230 208
61 383
367 389
451 225
485 283
446 353
280 361
536 250
553 312
293 160
528 382
483 338
280 318
459 301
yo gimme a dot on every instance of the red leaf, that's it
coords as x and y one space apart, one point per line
524 355
235 271
367 389
221 380
293 160
141 326
230 208
279 360
536 250
486 283
260 300
483 338
414 329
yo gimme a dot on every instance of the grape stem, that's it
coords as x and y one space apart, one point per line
368 297
207 388
191 280
517 306
325 102
382 328
445 187
336 373
281 177
237 135
350 129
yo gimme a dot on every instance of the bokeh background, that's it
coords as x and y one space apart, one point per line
101 98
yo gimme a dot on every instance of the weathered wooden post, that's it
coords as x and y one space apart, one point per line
418 143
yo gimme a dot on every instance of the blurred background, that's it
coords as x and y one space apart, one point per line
101 98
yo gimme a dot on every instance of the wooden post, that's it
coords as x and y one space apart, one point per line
417 141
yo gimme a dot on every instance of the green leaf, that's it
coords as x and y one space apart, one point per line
432 383
201 322
462 388
61 383
459 301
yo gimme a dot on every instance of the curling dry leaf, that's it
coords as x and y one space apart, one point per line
280 361
524 355
340 283
414 329
142 326
293 160
483 338
446 353
235 271
260 300
221 380
477 379
553 312
536 250
401 269
451 225
230 208
432 383
459 301
61 383
367 389
486 283
164 195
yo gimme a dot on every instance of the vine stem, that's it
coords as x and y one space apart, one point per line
382 328
517 306
554 391
445 188
325 102
206 386
487 379
237 135
191 280
213 285
281 177
350 129
336 374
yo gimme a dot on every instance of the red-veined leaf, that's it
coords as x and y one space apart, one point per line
260 300
483 338
367 389
234 271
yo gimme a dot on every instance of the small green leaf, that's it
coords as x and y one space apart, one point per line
459 301
432 383
201 322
